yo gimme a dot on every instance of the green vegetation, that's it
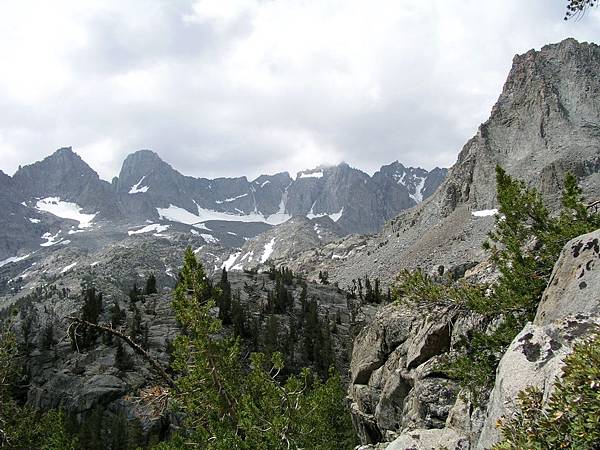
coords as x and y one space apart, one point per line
226 407
571 417
524 246
23 427
368 292
578 7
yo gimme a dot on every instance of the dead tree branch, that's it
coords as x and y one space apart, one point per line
127 339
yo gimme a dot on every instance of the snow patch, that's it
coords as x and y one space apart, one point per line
76 231
177 214
155 227
50 240
209 238
34 220
228 263
317 229
13 259
264 183
267 251
335 216
232 199
69 267
318 174
65 210
418 195
136 189
485 212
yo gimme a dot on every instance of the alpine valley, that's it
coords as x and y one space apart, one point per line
333 235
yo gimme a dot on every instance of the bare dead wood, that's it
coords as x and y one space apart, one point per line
137 348
594 205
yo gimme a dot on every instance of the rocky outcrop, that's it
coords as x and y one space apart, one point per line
534 358
569 311
400 397
395 381
574 286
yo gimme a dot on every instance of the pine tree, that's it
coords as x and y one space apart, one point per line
150 285
224 302
123 360
224 407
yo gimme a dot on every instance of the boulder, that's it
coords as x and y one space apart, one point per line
574 286
391 327
534 358
432 339
430 440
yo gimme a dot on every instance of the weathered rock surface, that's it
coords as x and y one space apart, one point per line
534 358
574 286
430 440
569 311
397 390
395 383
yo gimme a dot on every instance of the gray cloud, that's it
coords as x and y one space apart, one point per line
245 87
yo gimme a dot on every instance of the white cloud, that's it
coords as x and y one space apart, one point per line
251 86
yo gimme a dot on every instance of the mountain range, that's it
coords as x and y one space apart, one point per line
61 196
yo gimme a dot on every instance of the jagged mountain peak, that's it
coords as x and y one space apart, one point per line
544 123
62 173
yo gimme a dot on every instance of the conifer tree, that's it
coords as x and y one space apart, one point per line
223 407
225 298
151 284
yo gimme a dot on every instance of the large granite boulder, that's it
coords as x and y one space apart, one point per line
569 311
574 287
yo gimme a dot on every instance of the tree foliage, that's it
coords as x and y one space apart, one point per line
576 8
571 417
23 427
224 406
524 246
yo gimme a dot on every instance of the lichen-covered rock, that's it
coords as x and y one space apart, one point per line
574 287
534 358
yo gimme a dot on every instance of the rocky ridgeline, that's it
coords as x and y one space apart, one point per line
63 194
400 399
544 123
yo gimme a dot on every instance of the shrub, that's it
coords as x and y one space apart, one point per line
571 417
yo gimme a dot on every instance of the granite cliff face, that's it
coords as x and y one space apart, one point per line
545 122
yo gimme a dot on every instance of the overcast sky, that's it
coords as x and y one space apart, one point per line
243 87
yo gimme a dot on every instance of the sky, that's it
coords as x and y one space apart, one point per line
244 87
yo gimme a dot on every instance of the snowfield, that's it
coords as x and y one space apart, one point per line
268 250
136 189
154 227
485 212
177 214
65 210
